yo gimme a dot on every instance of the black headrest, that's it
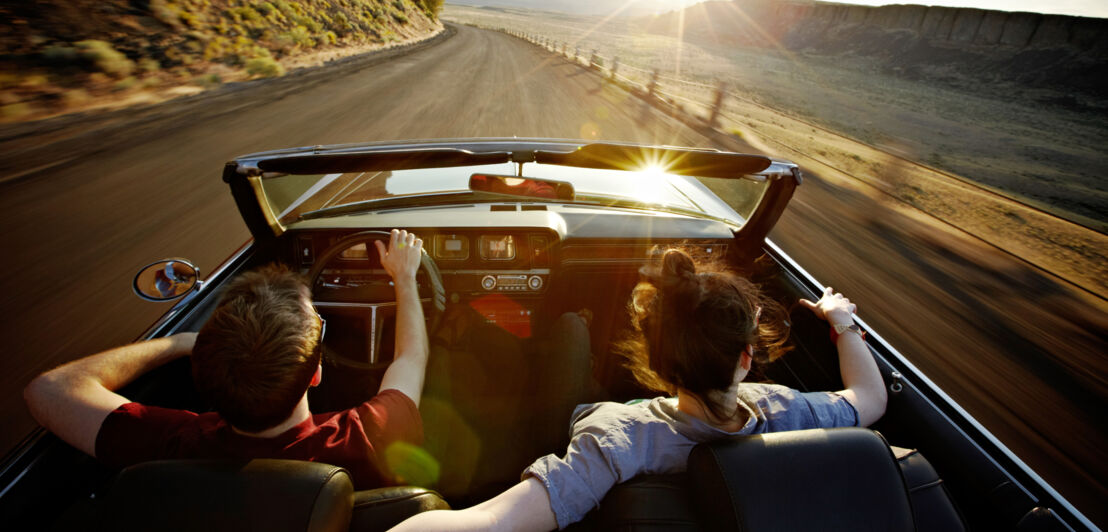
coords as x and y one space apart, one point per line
212 495
821 479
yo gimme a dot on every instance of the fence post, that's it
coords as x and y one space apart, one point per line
717 106
615 67
653 83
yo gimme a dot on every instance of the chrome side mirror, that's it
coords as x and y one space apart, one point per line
166 279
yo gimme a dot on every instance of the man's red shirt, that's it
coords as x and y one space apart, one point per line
355 439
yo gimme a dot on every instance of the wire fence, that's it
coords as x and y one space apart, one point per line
710 102
714 101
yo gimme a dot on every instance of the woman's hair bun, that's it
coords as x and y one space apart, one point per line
678 281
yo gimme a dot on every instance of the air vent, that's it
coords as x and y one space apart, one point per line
534 207
495 208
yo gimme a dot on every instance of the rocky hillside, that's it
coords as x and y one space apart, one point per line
956 45
63 55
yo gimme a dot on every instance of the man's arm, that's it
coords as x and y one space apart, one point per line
73 400
864 387
409 363
525 506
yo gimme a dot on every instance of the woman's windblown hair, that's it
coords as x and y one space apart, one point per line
691 322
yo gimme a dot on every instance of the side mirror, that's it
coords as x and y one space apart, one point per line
166 279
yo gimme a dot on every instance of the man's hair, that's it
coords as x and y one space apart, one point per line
691 323
256 355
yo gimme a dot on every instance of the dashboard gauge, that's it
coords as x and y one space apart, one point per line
497 247
451 247
355 252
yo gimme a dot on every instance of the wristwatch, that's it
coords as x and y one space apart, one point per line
839 328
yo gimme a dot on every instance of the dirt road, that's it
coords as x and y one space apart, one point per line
1023 353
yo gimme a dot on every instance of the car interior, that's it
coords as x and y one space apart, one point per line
509 284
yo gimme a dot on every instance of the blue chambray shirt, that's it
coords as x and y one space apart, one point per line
613 442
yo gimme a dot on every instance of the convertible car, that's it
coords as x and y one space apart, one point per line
519 232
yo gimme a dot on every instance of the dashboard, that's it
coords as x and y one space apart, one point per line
517 277
471 262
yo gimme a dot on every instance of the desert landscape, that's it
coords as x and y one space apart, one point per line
1041 145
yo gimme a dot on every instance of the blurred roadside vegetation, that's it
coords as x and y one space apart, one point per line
65 55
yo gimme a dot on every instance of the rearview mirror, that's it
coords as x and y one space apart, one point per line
528 187
166 280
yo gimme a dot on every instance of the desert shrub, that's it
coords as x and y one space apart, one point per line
190 19
245 14
285 8
164 13
264 67
124 84
398 4
75 97
309 23
217 48
105 58
34 80
433 7
208 80
342 23
60 55
400 17
331 38
302 37
13 111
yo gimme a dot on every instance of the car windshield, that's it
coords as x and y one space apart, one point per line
291 198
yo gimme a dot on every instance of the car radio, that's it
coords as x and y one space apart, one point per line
512 282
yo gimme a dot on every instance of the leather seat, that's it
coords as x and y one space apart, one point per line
830 480
215 495
822 479
270 495
383 508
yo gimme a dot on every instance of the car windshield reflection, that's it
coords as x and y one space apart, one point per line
292 196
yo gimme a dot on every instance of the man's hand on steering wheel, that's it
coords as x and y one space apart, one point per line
402 258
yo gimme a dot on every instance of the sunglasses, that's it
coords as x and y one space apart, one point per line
322 332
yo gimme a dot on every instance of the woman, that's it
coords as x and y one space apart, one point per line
696 332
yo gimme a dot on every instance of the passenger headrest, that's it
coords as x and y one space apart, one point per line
822 479
212 495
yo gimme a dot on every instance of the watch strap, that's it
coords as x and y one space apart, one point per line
839 328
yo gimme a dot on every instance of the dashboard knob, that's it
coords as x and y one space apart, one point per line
488 282
535 282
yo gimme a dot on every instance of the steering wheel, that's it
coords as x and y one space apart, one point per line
376 297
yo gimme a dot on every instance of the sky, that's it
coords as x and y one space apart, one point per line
1085 8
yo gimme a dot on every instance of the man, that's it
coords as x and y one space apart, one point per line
253 361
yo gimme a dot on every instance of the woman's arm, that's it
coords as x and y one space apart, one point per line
525 506
864 387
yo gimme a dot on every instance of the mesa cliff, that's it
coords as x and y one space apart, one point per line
956 45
